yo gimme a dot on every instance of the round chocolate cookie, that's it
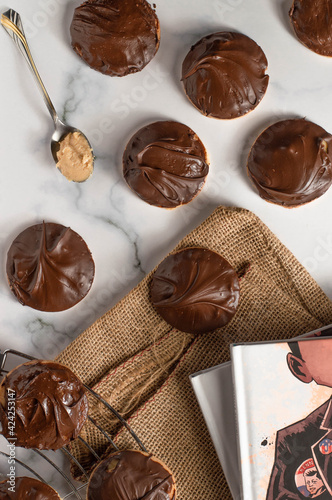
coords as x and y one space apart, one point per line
115 37
166 164
290 162
49 267
27 488
50 404
312 23
128 475
224 75
195 290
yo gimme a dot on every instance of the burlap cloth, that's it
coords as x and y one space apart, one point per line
138 363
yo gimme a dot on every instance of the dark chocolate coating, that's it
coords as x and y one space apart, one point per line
131 475
165 163
27 488
49 267
195 290
50 405
290 162
224 75
312 23
115 37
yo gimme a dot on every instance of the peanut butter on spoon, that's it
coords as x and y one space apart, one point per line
75 157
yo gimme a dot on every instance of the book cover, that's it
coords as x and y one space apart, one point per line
214 391
284 417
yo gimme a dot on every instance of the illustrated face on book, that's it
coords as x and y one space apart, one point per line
311 360
303 450
313 482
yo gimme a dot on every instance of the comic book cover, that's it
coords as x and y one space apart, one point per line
284 418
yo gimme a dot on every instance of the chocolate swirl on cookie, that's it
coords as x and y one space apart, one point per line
291 162
115 37
165 163
131 475
49 267
312 23
27 488
50 405
224 75
195 290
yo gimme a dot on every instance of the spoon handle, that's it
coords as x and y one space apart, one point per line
11 22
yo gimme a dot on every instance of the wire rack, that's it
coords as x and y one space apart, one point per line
75 490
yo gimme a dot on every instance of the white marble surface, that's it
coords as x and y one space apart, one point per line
126 236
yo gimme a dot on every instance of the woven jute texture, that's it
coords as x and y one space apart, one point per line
141 365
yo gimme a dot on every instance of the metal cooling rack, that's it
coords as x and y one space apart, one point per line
75 491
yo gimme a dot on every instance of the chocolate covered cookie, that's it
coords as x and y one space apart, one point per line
291 162
166 164
115 37
51 405
49 267
27 488
129 475
195 290
312 23
224 75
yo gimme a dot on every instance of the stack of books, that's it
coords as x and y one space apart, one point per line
269 413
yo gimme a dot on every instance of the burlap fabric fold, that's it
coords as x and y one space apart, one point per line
141 365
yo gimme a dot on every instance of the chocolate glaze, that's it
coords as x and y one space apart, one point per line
49 267
165 163
115 37
312 22
131 475
290 162
50 404
27 488
195 290
224 75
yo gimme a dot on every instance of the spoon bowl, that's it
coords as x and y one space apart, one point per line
60 132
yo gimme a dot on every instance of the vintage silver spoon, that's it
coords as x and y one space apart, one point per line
11 22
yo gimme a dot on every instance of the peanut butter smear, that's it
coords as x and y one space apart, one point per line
75 157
